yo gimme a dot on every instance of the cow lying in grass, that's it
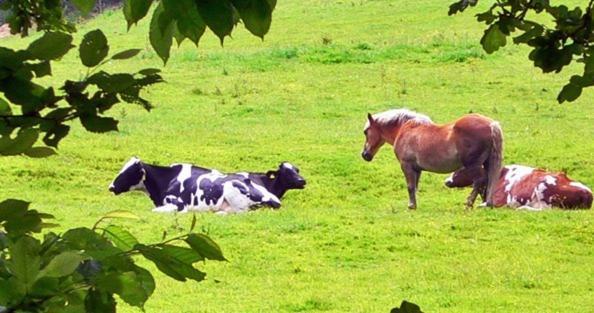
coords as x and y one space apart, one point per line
529 188
184 187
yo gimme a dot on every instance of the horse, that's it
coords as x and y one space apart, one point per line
420 145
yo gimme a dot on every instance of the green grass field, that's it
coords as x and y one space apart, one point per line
346 243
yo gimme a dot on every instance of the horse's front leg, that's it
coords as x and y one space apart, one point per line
412 176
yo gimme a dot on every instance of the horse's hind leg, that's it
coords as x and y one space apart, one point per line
478 187
412 176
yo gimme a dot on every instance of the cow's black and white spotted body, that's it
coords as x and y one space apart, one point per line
185 187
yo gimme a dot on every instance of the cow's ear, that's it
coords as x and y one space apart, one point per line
370 118
271 174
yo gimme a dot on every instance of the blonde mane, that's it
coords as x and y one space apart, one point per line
398 116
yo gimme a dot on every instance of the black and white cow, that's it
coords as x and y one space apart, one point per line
185 187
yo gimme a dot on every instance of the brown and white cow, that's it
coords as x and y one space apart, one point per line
531 188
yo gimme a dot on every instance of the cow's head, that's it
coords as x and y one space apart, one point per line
464 177
287 176
131 177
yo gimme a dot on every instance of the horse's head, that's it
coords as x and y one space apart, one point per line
129 178
373 138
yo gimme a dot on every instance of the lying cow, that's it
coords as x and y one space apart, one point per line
526 187
184 187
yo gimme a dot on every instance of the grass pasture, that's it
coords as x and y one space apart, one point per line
346 243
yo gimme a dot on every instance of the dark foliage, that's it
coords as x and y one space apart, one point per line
553 47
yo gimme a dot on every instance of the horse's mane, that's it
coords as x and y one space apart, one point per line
399 116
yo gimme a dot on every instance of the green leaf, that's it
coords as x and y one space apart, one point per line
460 6
24 261
569 93
407 307
24 140
62 264
40 152
12 291
98 124
149 71
55 134
41 69
185 255
46 287
127 285
272 4
205 247
549 58
218 15
126 54
25 93
94 245
122 238
161 32
10 208
72 302
162 262
93 48
255 14
179 37
98 301
84 6
535 30
493 38
5 108
146 280
51 46
49 225
170 265
59 113
488 17
121 214
135 10
29 221
189 22
193 224
111 83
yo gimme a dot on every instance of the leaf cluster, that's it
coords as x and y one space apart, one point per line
553 47
30 111
82 269
38 111
179 19
45 15
188 19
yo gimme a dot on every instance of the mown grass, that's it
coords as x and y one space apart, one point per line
346 243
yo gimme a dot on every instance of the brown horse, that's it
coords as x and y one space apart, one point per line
421 145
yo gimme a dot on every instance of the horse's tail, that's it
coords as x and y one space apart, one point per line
495 161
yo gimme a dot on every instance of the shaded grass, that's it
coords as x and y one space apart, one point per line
361 53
